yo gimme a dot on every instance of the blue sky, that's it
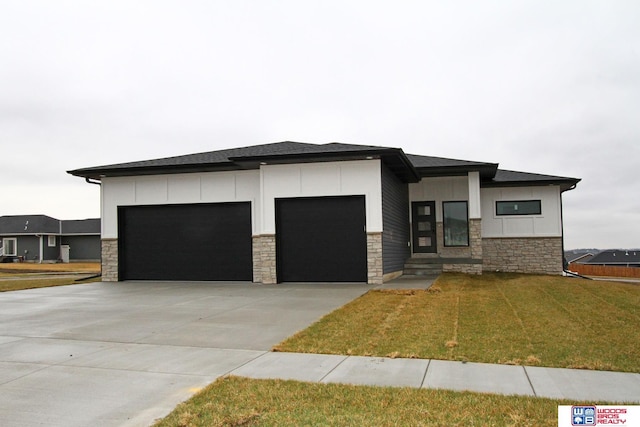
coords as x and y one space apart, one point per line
537 86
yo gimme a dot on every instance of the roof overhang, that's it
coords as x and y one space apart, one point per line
393 158
486 170
564 184
99 173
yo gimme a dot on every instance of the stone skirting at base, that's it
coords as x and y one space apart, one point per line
109 250
375 274
264 259
468 268
542 255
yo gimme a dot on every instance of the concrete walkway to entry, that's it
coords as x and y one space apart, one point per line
125 354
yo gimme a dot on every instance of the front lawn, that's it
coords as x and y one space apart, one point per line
19 276
32 267
234 401
33 283
494 318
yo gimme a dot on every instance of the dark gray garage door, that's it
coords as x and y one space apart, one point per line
185 242
321 239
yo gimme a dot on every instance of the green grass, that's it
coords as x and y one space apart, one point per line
494 318
234 401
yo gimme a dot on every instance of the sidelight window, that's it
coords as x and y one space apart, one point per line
455 223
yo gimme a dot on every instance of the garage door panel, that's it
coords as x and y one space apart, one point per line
186 242
321 239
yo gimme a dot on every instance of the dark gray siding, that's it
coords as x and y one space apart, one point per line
395 222
83 248
30 244
81 226
50 253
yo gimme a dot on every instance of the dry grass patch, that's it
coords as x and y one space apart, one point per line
28 267
22 284
494 318
234 401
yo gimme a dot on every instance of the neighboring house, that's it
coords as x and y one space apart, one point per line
620 258
579 258
40 238
298 212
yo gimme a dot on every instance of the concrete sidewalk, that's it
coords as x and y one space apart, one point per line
582 385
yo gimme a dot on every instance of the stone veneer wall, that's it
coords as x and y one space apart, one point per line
109 251
264 259
375 272
542 255
475 238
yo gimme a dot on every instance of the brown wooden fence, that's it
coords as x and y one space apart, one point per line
604 270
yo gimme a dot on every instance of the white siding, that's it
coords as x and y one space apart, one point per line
323 179
210 187
547 224
474 196
260 187
440 189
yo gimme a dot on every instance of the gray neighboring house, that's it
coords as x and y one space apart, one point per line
300 212
578 258
40 238
616 257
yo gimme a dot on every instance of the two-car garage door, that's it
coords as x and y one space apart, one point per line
318 239
185 242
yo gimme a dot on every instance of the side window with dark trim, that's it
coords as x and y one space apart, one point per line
519 207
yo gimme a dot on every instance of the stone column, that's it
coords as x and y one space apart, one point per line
264 259
475 238
375 270
109 260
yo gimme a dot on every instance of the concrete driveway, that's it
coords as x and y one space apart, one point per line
124 354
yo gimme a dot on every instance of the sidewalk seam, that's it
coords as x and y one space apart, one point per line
424 377
230 372
333 369
524 368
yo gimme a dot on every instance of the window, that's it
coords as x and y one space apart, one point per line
519 207
10 247
456 223
52 241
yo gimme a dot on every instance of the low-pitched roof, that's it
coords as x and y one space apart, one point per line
251 157
409 167
507 178
13 225
613 257
28 224
580 258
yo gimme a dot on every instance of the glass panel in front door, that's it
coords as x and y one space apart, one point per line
423 220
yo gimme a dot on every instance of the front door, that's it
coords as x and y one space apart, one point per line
423 219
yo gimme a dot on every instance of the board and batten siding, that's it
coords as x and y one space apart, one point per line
547 224
206 187
260 187
440 189
395 220
346 178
